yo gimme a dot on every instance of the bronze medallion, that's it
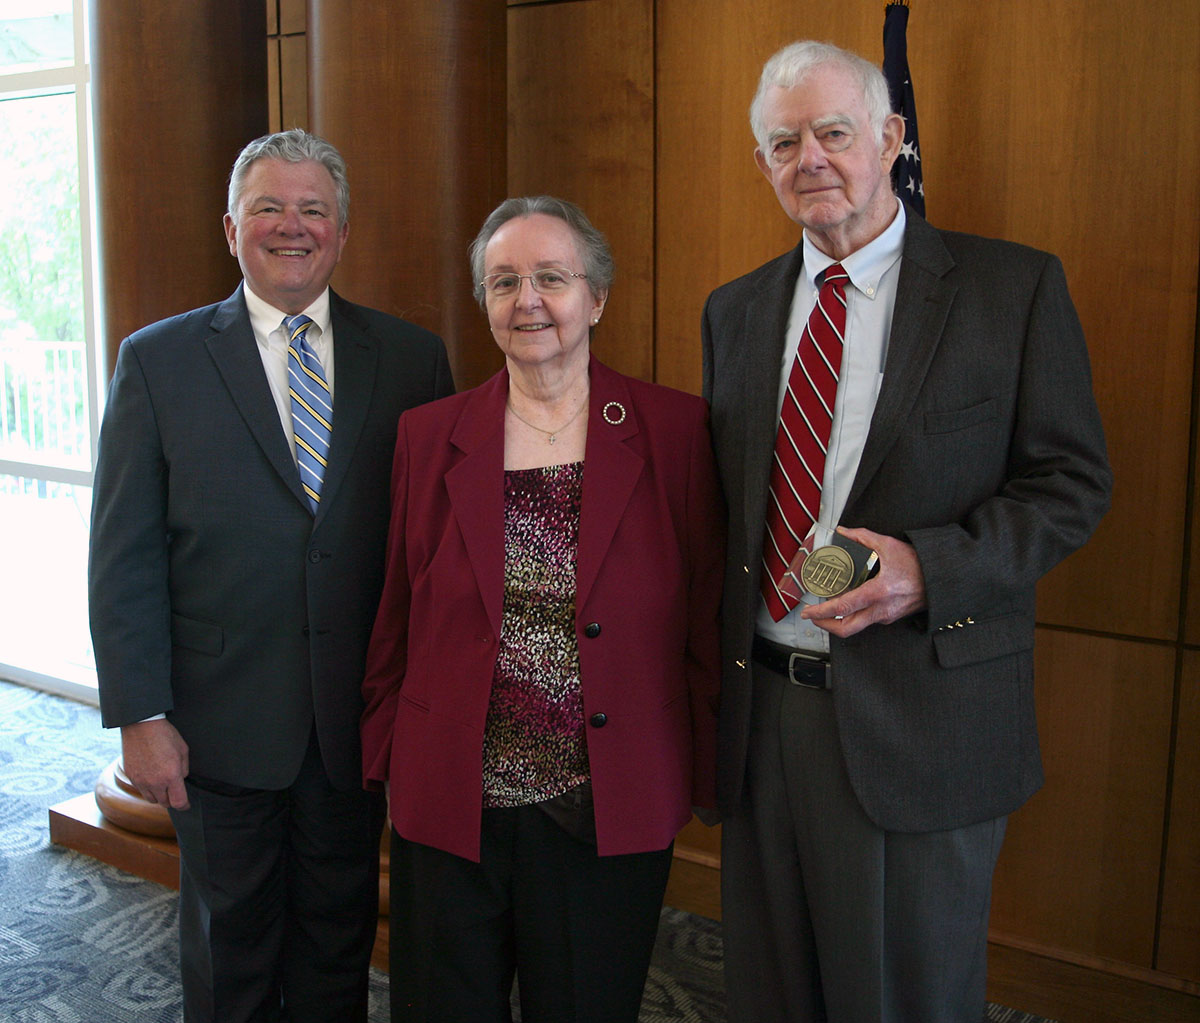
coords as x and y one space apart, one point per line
827 572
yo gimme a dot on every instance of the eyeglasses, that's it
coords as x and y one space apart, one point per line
547 281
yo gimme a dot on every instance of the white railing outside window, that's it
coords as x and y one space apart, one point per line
43 403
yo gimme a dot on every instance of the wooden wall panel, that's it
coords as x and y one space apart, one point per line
293 16
1080 866
1179 940
274 108
167 133
410 93
581 127
717 217
293 82
1191 625
287 64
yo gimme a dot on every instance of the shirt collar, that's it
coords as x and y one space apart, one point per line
865 266
265 318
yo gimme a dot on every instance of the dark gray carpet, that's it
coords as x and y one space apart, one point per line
82 942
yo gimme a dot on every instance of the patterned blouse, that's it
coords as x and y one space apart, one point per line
533 744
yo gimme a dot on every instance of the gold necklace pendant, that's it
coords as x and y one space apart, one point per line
551 437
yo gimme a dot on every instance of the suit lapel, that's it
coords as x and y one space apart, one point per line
923 300
235 353
356 358
476 489
764 337
476 483
610 472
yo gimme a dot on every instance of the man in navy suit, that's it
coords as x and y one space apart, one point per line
231 609
872 744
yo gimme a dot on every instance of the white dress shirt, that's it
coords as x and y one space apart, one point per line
267 323
874 271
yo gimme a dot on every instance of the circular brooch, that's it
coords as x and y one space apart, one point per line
613 418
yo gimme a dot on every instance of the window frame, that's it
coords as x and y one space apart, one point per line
73 77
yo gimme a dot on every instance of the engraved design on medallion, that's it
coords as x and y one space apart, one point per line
827 571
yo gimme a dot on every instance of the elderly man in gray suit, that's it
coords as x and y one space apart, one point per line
932 390
240 514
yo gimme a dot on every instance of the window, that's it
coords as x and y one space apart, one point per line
48 350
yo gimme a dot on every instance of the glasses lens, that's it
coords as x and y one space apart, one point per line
551 279
501 284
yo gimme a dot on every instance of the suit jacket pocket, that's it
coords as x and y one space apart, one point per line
983 641
193 634
960 419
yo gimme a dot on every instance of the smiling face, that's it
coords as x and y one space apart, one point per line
536 330
829 171
286 234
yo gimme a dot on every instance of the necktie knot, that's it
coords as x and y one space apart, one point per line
296 325
835 273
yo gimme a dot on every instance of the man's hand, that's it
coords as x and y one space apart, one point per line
155 758
897 591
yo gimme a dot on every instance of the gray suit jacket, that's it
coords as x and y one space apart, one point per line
986 453
215 596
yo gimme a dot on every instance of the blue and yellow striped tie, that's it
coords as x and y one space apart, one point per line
312 407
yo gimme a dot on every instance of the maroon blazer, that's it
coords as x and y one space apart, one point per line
648 587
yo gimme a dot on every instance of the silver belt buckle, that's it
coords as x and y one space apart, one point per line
813 663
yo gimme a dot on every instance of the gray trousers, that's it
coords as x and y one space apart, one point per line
826 916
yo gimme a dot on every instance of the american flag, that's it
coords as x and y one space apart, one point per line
906 171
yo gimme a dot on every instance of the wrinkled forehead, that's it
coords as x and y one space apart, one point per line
778 128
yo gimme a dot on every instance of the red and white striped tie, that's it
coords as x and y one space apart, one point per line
804 425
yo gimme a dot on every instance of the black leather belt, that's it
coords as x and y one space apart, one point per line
800 667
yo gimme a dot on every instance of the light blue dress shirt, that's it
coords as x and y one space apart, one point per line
874 272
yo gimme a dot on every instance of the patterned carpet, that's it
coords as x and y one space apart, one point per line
82 942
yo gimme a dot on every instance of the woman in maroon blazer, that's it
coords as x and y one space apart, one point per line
542 679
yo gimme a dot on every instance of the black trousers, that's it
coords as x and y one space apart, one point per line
577 929
278 900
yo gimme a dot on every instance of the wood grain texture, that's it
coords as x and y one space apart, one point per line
1179 937
293 82
1074 993
581 127
1080 865
274 106
293 16
412 96
178 90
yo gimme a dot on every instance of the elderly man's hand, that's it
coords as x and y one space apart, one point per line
897 591
155 758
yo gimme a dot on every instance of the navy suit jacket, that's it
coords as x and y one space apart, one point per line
648 570
985 453
215 595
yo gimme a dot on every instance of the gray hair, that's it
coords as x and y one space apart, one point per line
592 245
293 146
791 65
